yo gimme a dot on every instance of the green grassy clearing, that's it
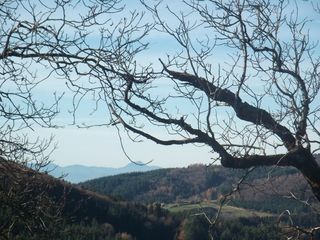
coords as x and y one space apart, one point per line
227 210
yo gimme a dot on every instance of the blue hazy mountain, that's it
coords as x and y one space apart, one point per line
80 173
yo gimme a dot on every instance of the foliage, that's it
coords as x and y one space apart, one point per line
244 229
197 227
163 185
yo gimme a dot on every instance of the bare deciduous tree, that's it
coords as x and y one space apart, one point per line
242 77
39 41
257 107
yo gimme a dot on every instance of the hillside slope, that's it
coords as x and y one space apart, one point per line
24 191
263 188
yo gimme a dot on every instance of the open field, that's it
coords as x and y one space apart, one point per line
213 206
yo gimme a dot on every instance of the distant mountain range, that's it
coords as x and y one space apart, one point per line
80 173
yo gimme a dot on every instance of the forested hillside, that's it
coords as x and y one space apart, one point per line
43 206
35 206
262 189
270 200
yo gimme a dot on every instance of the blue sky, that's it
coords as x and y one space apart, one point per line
101 146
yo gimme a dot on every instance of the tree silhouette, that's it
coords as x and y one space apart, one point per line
256 108
33 47
256 104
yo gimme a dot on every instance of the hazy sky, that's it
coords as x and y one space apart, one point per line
101 146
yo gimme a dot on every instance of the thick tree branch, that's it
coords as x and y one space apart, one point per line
243 110
153 138
202 137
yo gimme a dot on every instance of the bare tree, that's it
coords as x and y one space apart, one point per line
39 41
240 76
255 107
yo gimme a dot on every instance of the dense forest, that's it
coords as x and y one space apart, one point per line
263 189
199 182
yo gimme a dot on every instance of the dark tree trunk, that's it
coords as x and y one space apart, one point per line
314 182
299 157
310 169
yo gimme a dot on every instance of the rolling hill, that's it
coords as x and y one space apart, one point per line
32 203
35 205
265 198
263 189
